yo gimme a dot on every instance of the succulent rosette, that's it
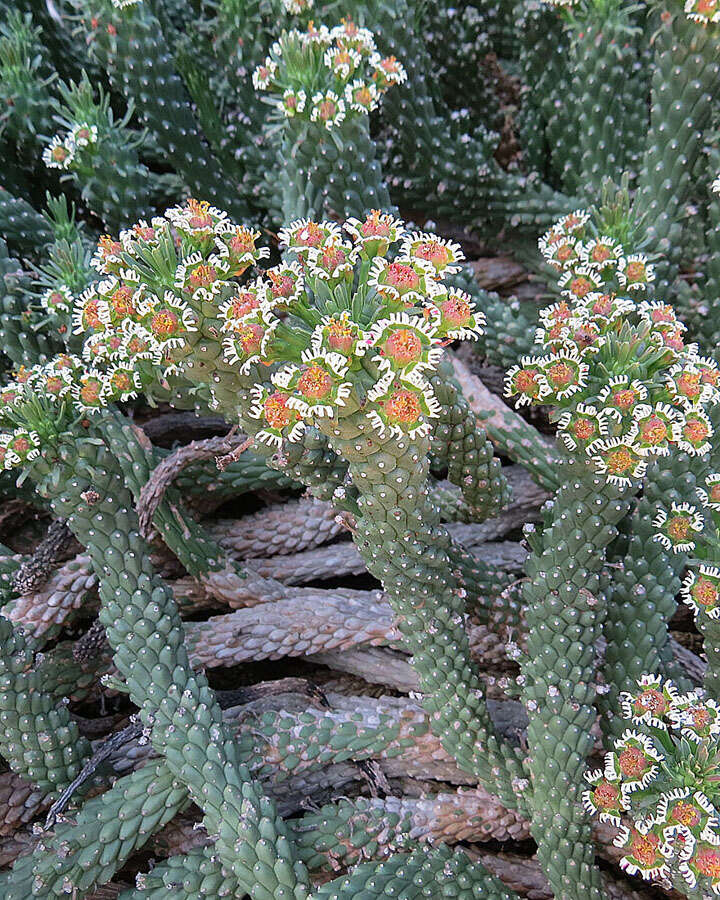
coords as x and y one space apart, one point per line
333 262
237 247
659 785
701 585
107 258
278 419
400 408
624 385
202 278
326 75
459 318
442 255
197 221
375 233
304 235
403 281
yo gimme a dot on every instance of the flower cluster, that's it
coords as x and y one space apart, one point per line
296 7
703 11
614 363
45 399
659 785
327 75
337 325
694 528
63 150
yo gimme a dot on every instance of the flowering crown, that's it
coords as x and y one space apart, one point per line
614 363
327 75
660 786
355 318
705 12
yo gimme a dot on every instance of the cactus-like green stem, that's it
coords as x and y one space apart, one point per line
38 738
21 225
131 46
564 613
684 82
176 705
399 538
89 849
641 599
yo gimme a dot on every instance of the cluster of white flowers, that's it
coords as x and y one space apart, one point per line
657 786
62 151
608 408
355 74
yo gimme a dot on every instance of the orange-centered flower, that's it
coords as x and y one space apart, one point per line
121 301
90 314
121 381
250 338
581 286
584 429
374 226
707 861
600 253
244 303
456 311
705 592
277 413
199 214
606 795
340 336
90 392
636 271
678 527
644 847
653 431
202 276
402 277
651 700
315 383
434 252
164 323
310 235
619 461
685 813
560 374
403 406
404 346
282 285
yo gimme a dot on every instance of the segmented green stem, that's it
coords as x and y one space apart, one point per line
21 225
24 344
90 848
564 614
328 173
38 739
607 102
684 83
459 440
641 599
398 536
176 705
139 64
438 872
